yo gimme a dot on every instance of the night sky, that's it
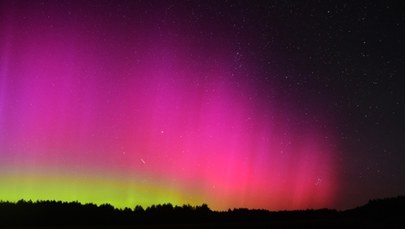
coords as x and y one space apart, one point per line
256 104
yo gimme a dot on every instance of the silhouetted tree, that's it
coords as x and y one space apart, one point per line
376 213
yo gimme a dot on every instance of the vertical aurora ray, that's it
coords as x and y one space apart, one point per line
95 113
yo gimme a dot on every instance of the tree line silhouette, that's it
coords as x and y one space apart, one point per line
43 213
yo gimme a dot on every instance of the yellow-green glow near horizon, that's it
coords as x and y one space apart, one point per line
120 193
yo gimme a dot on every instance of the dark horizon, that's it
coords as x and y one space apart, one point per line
374 214
204 205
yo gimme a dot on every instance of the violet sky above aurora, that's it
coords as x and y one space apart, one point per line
145 104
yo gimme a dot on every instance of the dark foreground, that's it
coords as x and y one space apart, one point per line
385 213
277 225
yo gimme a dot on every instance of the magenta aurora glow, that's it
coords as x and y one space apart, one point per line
134 109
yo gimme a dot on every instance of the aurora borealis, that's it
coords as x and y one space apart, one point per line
149 102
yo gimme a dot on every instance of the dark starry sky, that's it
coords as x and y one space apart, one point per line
349 57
